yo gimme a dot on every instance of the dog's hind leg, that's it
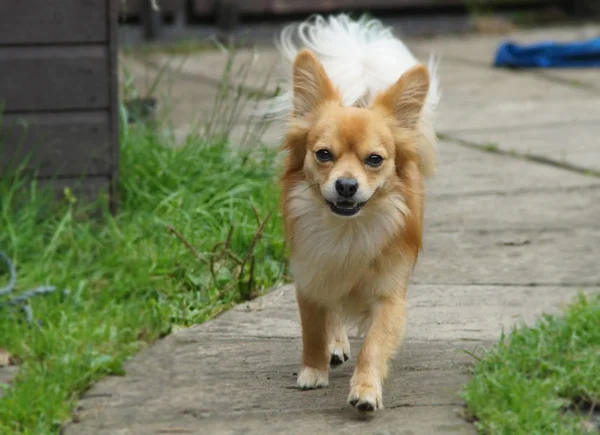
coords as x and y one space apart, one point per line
339 346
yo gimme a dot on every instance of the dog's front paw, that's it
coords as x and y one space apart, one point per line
365 396
339 351
310 378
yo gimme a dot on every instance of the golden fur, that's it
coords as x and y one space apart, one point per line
353 268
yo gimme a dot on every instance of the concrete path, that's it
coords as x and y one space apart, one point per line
512 231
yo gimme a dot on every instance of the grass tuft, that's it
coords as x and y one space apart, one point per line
534 378
197 231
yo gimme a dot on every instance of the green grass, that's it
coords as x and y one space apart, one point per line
182 247
530 381
490 147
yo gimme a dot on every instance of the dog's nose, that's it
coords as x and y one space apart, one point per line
346 187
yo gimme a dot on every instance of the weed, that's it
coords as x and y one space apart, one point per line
530 382
197 231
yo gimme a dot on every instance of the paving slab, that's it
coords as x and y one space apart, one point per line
560 257
585 78
254 68
576 144
479 97
515 113
476 83
522 212
458 313
229 384
477 48
183 101
402 420
464 171
187 97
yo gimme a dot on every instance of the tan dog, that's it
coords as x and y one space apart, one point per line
359 144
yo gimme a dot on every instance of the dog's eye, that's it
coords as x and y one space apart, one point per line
324 156
374 160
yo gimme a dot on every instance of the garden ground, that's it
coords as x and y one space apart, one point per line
512 231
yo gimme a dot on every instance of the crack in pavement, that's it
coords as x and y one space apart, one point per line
518 191
511 284
534 158
510 229
519 127
537 231
201 414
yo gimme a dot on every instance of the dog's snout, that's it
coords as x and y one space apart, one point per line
346 187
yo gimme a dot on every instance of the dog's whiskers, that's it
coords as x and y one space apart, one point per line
309 186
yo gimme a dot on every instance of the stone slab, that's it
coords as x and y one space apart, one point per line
559 257
471 314
406 420
576 144
255 68
510 114
523 211
464 171
436 312
478 48
471 83
585 78
476 97
230 383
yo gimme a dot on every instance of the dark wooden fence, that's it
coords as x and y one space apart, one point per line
59 91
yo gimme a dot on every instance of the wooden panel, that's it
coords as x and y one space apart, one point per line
53 78
52 21
114 116
57 144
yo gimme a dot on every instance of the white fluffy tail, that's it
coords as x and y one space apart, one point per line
362 58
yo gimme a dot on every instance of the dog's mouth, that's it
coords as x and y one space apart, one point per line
345 208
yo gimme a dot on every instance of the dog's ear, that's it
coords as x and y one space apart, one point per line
310 84
405 98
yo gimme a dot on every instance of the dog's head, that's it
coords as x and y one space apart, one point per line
349 154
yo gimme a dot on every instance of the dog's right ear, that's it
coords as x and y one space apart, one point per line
310 85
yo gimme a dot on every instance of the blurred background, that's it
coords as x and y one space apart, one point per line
146 106
257 20
172 50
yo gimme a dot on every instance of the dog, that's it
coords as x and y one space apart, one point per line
359 141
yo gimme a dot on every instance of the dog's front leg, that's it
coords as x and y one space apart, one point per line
315 346
388 320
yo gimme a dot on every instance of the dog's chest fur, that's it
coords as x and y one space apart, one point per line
336 258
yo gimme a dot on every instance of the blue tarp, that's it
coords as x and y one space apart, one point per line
578 54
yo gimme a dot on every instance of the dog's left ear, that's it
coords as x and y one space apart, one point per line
405 98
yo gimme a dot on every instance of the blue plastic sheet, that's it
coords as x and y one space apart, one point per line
577 54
